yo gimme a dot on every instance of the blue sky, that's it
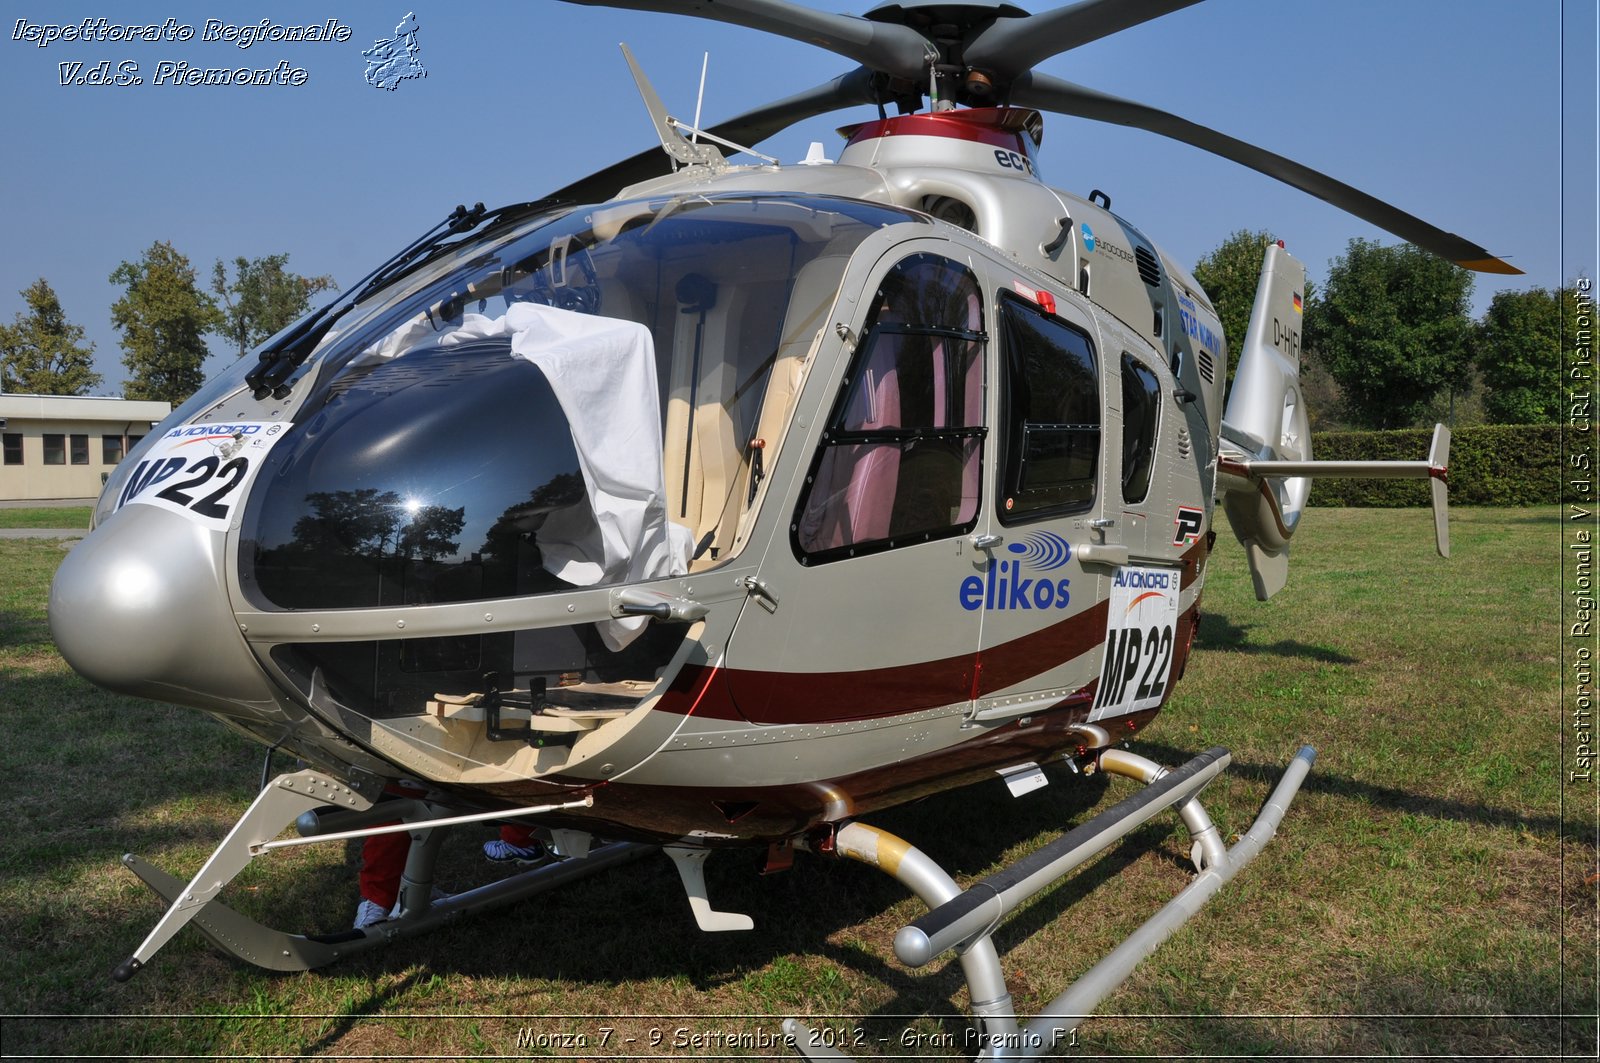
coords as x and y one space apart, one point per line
1452 109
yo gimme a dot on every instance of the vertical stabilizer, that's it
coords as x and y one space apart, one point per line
1266 421
1266 386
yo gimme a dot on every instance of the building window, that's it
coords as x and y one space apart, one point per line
133 441
55 449
13 448
80 449
901 462
1051 415
110 450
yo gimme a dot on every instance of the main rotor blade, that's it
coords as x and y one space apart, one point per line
893 49
1009 46
749 129
1064 97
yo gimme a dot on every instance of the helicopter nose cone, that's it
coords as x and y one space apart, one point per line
139 607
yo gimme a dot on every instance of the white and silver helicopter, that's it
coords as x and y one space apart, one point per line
698 506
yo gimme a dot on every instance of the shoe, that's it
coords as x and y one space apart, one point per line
498 851
368 913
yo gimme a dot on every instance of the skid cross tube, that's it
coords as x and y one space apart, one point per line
1067 1011
965 919
977 910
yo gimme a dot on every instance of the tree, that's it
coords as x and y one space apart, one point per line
262 298
1518 351
163 318
1392 327
42 353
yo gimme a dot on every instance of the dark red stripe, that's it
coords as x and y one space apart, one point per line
937 125
873 693
770 697
1016 661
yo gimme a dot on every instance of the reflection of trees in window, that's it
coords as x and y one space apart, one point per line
374 524
429 534
366 547
521 522
512 562
361 522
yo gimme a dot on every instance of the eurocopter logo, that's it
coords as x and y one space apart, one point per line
1003 586
393 61
1088 237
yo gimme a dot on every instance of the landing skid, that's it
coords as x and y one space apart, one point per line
298 796
963 920
245 939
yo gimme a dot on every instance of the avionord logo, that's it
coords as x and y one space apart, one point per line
191 432
1147 580
1003 585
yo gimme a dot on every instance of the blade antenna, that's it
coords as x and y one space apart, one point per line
672 141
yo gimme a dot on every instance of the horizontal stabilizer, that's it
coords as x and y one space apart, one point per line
1435 470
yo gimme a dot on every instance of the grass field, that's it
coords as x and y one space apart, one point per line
46 517
1425 895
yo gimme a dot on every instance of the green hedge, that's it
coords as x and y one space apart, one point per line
1490 465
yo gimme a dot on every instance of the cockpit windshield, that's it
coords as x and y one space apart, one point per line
576 404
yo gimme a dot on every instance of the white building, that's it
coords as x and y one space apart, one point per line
62 446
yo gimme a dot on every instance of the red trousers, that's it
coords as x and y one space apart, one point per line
383 861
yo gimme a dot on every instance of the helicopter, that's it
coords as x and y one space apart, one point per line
698 506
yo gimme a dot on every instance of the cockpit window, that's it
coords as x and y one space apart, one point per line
573 405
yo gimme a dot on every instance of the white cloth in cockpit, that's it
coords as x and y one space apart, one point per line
603 373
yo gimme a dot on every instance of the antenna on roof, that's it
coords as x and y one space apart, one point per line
690 153
705 60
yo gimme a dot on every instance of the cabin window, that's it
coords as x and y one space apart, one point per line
13 448
1051 414
901 460
1141 405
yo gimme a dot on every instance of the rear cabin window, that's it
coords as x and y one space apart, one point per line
1141 395
1050 414
901 460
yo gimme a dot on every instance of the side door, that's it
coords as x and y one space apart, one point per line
867 618
1043 587
1153 523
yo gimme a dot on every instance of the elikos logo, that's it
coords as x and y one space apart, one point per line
1003 585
